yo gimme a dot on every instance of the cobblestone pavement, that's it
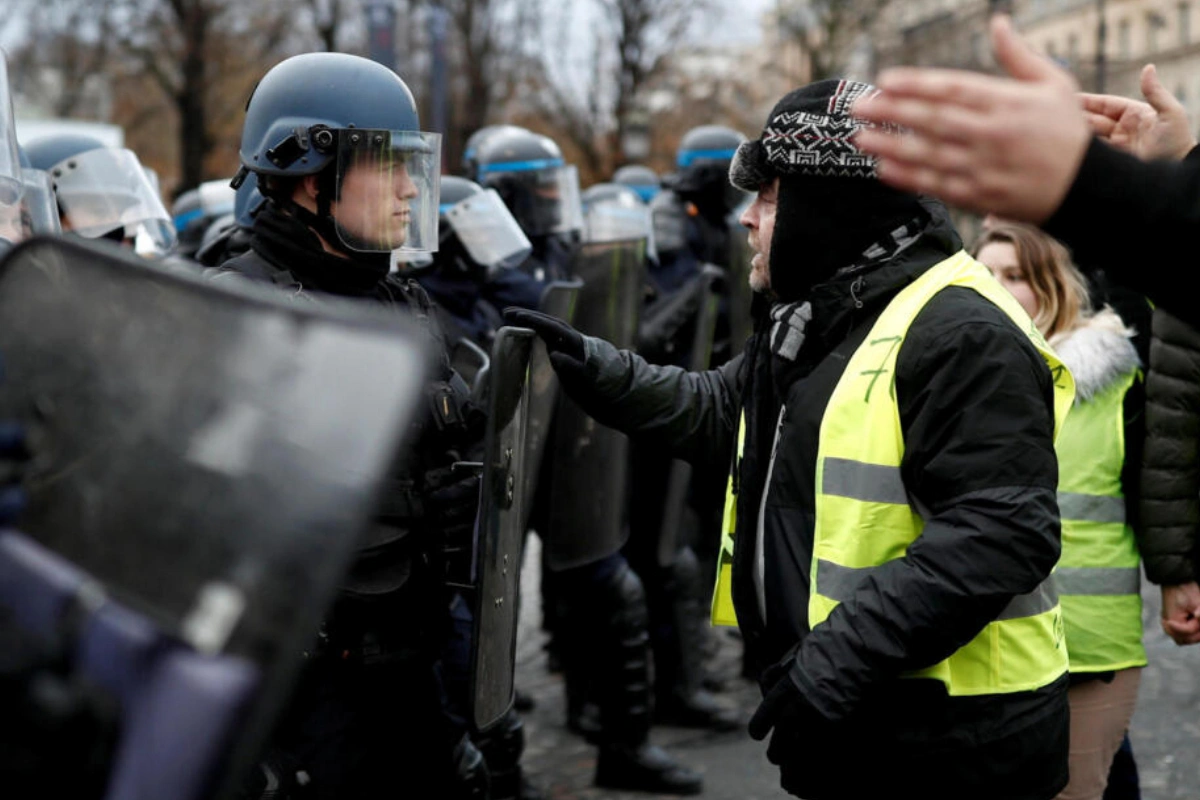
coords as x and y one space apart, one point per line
1165 730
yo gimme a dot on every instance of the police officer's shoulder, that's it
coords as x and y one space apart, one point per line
253 267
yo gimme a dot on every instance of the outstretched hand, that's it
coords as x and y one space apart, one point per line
1010 146
558 335
1158 128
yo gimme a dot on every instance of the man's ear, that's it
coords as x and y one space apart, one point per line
308 185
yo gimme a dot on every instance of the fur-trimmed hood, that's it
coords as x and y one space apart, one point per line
1098 353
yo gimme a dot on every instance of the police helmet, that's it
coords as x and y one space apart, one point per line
642 180
532 178
353 122
247 200
196 209
102 191
702 163
470 161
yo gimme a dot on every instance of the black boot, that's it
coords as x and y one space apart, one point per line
627 760
502 747
681 698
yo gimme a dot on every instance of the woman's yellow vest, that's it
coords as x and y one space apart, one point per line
863 515
1098 578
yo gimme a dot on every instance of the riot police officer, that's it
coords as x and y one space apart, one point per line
602 621
351 182
693 221
657 549
102 191
541 190
471 276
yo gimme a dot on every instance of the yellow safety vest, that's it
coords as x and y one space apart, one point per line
863 518
1098 576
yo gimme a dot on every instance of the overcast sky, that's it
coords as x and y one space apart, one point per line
740 21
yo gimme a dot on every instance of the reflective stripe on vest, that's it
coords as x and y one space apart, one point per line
722 602
1098 575
863 515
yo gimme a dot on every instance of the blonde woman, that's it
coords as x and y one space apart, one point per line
1098 574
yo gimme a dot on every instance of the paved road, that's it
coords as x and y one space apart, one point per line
1165 731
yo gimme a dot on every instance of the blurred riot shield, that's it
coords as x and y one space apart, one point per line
501 529
680 476
558 300
205 456
741 323
589 484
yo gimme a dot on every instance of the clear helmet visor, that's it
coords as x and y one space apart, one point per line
388 183
488 231
10 158
105 189
543 201
40 204
614 221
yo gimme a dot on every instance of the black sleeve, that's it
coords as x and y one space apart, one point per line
1169 501
1135 219
975 401
692 415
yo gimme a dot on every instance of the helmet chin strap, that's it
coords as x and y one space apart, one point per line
326 227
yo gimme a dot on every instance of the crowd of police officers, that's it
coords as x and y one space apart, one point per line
341 195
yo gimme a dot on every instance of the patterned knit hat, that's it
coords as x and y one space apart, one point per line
809 132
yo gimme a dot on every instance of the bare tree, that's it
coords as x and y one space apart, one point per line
328 18
66 47
828 31
590 98
488 43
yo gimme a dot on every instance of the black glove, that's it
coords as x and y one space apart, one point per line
452 499
784 704
558 335
564 344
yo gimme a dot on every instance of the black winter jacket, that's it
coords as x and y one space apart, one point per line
975 401
1134 218
1170 481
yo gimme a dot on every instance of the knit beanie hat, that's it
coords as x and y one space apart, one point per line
831 206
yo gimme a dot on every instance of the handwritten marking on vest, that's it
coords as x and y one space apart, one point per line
875 373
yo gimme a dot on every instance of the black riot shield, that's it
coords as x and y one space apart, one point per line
501 528
558 300
741 323
680 476
205 455
588 491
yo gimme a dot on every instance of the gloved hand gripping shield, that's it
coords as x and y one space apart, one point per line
107 188
386 196
488 231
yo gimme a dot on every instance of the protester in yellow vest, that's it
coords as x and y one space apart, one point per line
1098 575
892 511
